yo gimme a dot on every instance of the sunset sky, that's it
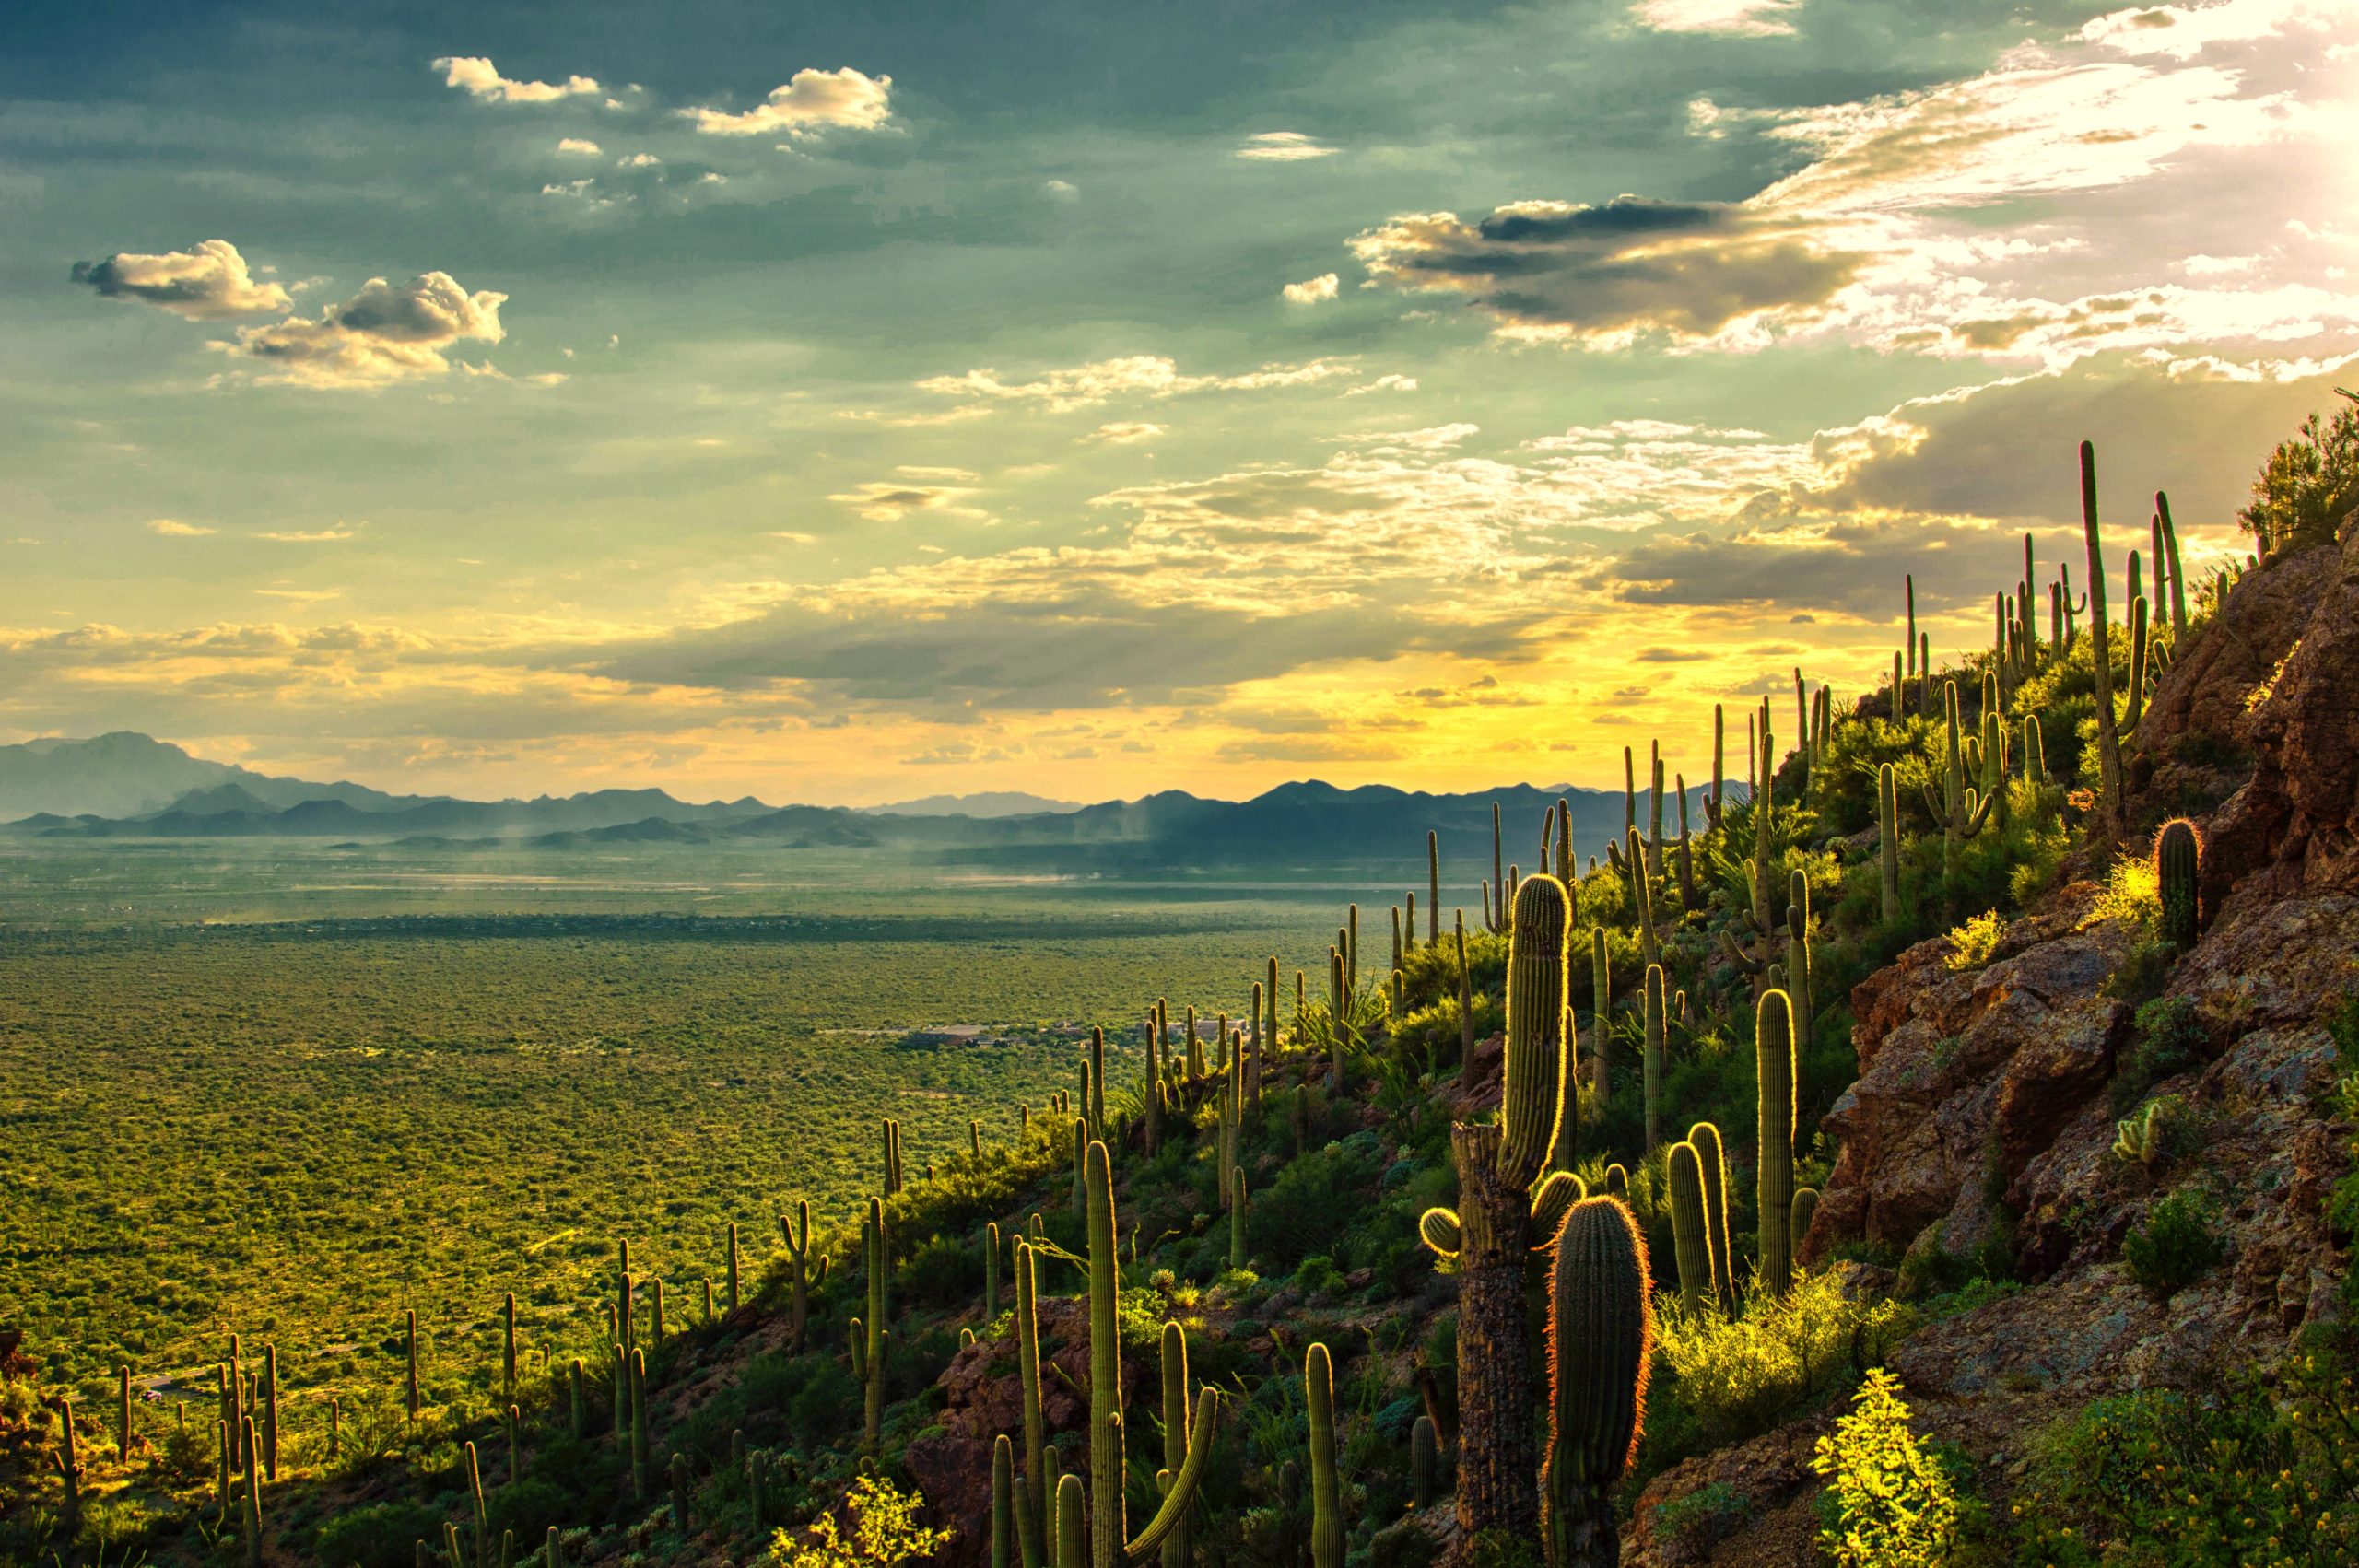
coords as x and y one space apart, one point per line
841 404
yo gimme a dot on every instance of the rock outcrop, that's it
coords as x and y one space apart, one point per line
1985 1113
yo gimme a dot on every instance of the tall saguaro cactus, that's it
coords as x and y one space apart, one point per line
1027 1373
1601 1339
2178 859
1654 1054
1773 1050
2112 806
1888 841
798 1247
1326 1494
1711 1158
1691 1232
870 1336
1491 1228
1109 1542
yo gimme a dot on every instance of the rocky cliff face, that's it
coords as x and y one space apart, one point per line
1983 1116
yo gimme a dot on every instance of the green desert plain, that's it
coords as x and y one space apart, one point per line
290 1090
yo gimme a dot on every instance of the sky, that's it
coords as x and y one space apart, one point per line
846 403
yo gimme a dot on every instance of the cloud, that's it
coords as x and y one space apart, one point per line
1143 375
639 160
206 283
384 333
1602 273
1283 146
577 146
477 78
171 529
1312 291
313 536
893 500
813 101
1383 383
1745 18
1433 437
1124 432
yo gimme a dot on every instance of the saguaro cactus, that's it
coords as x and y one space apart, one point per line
1424 1461
1711 1159
1496 1164
1654 1053
1326 1494
1109 1541
1175 1432
1888 841
1027 1373
1691 1232
1773 1049
875 1262
1601 980
2112 807
1601 1339
2178 860
798 1247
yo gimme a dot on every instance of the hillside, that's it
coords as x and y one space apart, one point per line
1949 1151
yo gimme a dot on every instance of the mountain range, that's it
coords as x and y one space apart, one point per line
80 789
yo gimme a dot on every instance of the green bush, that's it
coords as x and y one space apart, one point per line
2220 1479
1740 1376
1888 1504
1691 1525
2170 1040
378 1535
2174 1249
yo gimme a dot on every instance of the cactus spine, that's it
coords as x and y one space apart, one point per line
1601 1339
1773 1049
1326 1500
2179 861
1691 1232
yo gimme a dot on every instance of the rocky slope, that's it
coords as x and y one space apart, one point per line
1986 1109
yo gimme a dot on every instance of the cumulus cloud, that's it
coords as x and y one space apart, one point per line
936 490
811 102
481 81
1283 146
173 528
1929 221
579 147
1312 291
1747 18
1601 274
1060 190
1383 384
208 282
1141 375
384 333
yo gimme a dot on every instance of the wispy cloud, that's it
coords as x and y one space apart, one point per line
1284 146
172 528
1140 375
1747 18
342 531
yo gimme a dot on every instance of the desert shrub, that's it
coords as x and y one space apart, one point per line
1691 1525
1972 944
378 1535
2308 486
1739 1375
944 1271
530 1507
1888 1502
2133 895
884 1529
2170 1040
2218 1479
1297 1211
2174 1249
